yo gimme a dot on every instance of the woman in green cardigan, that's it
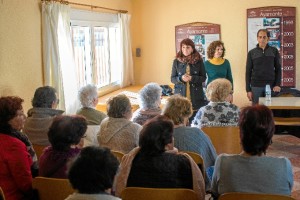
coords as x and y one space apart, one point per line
216 66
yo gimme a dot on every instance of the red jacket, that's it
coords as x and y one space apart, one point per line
15 174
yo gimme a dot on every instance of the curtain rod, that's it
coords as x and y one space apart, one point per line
80 4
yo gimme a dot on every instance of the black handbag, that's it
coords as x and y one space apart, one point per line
166 90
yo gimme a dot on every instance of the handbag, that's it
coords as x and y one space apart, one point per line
166 90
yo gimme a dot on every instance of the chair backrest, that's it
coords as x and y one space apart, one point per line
198 160
137 193
225 139
2 197
52 188
118 154
250 196
91 136
38 149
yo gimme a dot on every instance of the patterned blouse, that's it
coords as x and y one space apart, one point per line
217 114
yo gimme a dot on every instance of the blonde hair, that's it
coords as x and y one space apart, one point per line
218 90
178 108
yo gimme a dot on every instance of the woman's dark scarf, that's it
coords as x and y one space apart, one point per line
191 59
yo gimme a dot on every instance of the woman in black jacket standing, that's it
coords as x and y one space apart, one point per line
188 74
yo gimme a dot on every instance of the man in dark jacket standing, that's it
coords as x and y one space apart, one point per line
263 67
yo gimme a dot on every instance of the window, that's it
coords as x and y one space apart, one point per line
96 46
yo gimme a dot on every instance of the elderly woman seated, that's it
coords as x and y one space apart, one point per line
252 171
88 97
149 102
186 138
117 132
92 174
218 112
64 134
156 164
15 151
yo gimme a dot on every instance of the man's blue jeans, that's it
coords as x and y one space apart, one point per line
256 93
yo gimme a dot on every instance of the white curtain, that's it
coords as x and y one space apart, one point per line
59 66
127 77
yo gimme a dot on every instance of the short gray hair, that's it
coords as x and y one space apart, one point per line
87 94
150 95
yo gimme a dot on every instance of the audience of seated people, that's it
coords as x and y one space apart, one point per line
218 112
92 174
156 164
252 171
15 151
65 133
149 103
152 159
117 132
88 97
40 117
179 110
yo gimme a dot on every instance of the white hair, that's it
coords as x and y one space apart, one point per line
150 95
87 94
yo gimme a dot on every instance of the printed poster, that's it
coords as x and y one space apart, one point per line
281 24
201 33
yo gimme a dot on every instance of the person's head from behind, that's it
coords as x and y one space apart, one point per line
187 47
93 171
156 136
218 90
11 114
178 109
150 96
119 107
66 130
216 49
88 96
256 129
45 97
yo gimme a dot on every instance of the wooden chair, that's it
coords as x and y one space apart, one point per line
2 197
198 160
118 154
52 188
225 139
250 196
136 193
38 149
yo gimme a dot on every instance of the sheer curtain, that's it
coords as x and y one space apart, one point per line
127 77
59 66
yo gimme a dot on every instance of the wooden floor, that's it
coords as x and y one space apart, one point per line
131 92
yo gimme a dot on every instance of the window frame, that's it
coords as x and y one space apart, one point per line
107 24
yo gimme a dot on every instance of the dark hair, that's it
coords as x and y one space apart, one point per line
93 170
256 129
211 49
263 30
44 97
118 106
187 42
8 110
66 130
155 135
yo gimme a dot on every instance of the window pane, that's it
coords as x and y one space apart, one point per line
101 71
115 57
82 53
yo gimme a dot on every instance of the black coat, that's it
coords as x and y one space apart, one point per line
197 71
